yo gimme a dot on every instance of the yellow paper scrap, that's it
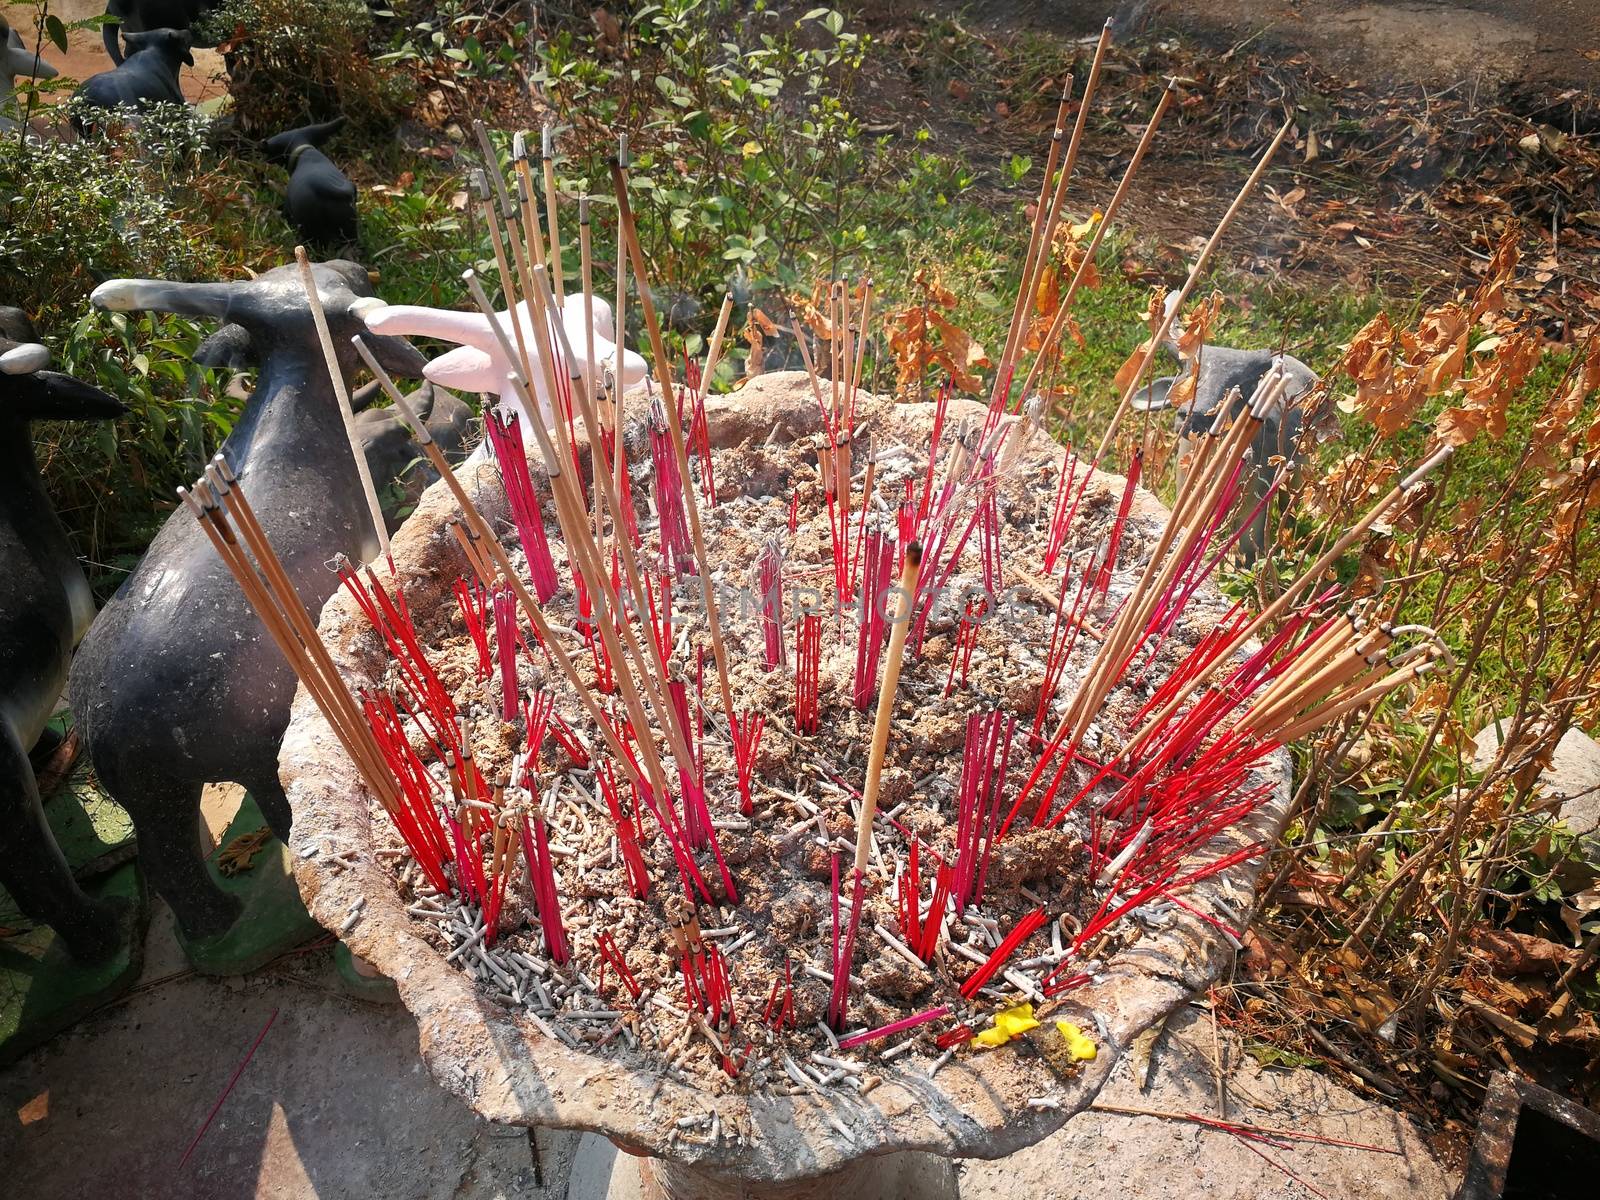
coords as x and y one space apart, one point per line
1079 1044
1013 1022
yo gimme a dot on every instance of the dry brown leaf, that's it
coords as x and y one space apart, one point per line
758 327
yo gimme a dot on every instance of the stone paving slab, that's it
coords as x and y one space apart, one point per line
335 1105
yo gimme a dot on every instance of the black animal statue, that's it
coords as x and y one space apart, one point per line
1223 372
321 201
141 16
149 75
45 607
177 684
396 461
398 466
16 60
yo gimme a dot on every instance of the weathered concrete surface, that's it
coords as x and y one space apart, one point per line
336 1105
500 1061
1146 1158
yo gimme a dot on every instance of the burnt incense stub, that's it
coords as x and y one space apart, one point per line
654 1083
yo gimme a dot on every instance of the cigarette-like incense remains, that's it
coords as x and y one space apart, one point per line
886 697
336 377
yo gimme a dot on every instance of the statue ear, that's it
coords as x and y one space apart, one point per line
1155 395
227 347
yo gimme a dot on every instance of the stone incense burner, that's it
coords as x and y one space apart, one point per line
892 1140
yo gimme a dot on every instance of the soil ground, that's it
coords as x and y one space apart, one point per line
1417 41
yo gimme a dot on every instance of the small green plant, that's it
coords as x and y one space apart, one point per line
456 40
112 482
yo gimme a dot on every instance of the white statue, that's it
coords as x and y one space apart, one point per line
478 364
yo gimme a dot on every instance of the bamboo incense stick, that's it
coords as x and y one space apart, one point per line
678 735
628 236
508 284
886 697
532 231
1033 266
1293 591
1064 310
552 206
278 611
1200 263
714 351
575 530
619 452
597 447
1041 214
336 377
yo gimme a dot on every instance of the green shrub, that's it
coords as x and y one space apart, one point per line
75 213
294 62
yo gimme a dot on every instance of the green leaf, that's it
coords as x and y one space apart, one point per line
834 23
56 32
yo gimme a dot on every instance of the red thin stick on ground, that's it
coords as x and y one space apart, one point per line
505 436
541 869
908 887
505 643
933 923
746 727
1058 516
227 1091
629 834
983 773
769 577
900 1026
877 564
416 816
844 950
786 1008
669 485
1008 945
966 640
606 943
954 1036
473 601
